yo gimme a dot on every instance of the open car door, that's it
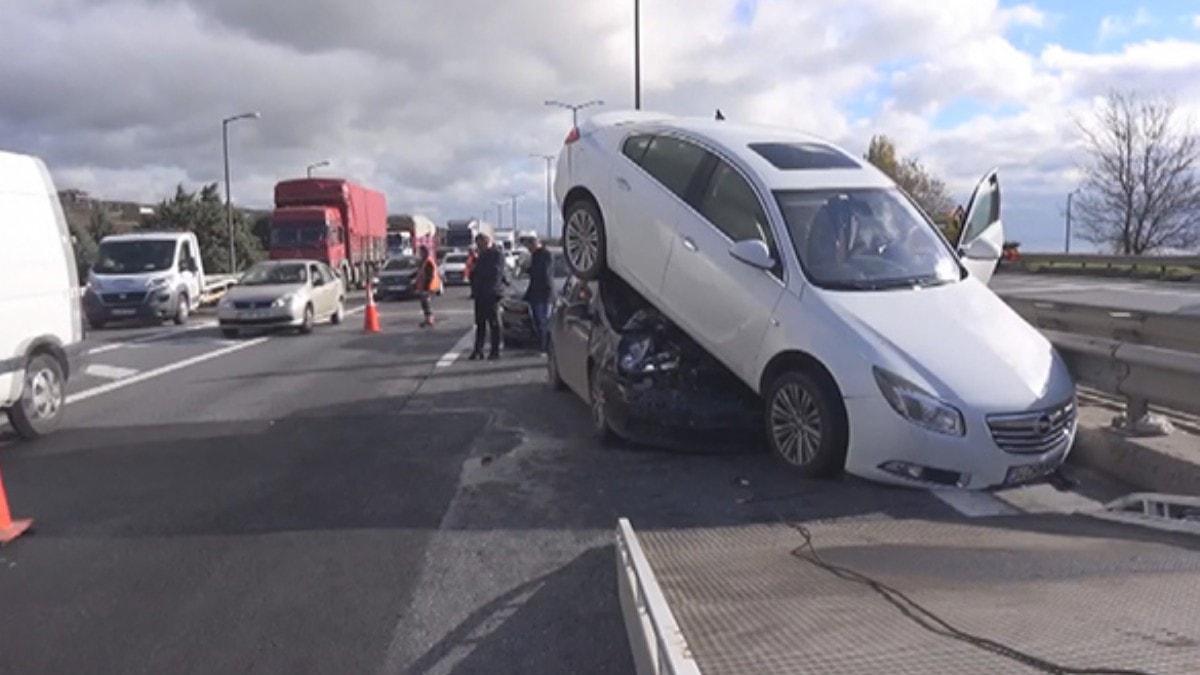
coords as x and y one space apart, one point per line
981 240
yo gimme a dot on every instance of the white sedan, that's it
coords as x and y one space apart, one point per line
875 343
280 294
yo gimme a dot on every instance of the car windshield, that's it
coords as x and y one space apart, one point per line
865 239
266 274
297 235
132 257
400 264
457 258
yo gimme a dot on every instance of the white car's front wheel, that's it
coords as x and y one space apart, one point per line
584 239
806 426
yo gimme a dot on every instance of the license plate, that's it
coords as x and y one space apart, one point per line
124 312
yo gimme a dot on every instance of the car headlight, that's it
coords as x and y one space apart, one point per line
284 301
226 302
157 283
919 406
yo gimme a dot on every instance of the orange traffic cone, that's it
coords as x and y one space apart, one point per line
9 529
371 315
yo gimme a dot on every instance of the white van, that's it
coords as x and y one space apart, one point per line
148 275
41 326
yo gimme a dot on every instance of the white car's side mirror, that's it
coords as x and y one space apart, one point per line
753 252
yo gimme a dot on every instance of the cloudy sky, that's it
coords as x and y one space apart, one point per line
439 102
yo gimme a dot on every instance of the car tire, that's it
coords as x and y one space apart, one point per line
229 333
306 324
584 240
182 310
43 397
601 428
552 377
339 313
805 424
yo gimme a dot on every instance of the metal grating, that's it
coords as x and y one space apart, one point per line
747 605
1035 431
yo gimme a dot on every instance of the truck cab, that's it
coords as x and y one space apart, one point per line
310 233
148 275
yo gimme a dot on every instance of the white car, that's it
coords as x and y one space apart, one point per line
875 343
454 268
283 294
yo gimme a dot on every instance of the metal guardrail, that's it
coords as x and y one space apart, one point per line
1155 329
1165 266
658 645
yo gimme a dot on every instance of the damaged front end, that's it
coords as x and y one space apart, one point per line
661 387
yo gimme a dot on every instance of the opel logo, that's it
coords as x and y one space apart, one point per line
1043 425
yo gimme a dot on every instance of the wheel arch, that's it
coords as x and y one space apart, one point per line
51 346
805 362
579 193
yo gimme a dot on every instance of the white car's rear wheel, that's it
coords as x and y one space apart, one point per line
584 239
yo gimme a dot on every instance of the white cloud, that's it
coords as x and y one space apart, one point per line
1114 25
1022 15
1196 21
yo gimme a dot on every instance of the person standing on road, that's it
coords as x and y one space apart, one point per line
540 290
428 283
488 280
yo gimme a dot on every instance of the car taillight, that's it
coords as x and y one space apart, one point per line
572 136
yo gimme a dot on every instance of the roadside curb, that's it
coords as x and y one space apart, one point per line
1165 464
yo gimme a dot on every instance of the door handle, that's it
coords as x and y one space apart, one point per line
623 184
690 244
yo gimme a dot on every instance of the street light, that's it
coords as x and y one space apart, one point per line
637 55
575 108
499 215
549 159
1070 195
228 200
318 165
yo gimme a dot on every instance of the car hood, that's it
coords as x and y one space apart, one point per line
262 293
959 341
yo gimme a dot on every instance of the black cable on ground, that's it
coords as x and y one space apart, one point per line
933 623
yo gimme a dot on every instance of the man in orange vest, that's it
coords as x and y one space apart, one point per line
427 284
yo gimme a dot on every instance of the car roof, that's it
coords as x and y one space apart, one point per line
734 139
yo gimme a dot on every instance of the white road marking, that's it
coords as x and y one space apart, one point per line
150 338
108 372
169 368
975 504
457 350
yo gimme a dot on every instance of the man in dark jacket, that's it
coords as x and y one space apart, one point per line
488 280
540 290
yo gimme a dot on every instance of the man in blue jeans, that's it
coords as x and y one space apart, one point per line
540 290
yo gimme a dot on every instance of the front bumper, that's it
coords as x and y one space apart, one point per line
122 306
261 318
455 278
394 290
879 437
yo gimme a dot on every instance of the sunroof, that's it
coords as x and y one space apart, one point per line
798 156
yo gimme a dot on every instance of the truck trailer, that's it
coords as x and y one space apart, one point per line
332 220
460 234
407 233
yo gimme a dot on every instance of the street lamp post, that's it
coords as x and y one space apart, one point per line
1070 195
549 159
499 215
229 200
316 165
513 196
637 55
575 108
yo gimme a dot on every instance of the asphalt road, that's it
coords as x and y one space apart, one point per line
353 503
1168 297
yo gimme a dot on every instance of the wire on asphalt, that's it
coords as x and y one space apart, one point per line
933 623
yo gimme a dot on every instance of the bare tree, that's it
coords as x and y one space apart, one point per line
1140 190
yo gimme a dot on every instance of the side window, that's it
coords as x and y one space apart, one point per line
672 162
185 256
983 213
635 147
317 277
729 203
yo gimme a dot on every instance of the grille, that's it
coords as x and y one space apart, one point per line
265 304
123 298
1035 431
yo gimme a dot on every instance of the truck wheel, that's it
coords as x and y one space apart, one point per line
306 325
584 239
339 313
39 410
182 310
552 376
601 428
805 424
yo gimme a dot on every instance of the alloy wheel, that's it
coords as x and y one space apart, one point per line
45 394
582 240
796 424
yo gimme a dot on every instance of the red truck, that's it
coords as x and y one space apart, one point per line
332 220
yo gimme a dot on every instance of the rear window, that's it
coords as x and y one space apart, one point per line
800 156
